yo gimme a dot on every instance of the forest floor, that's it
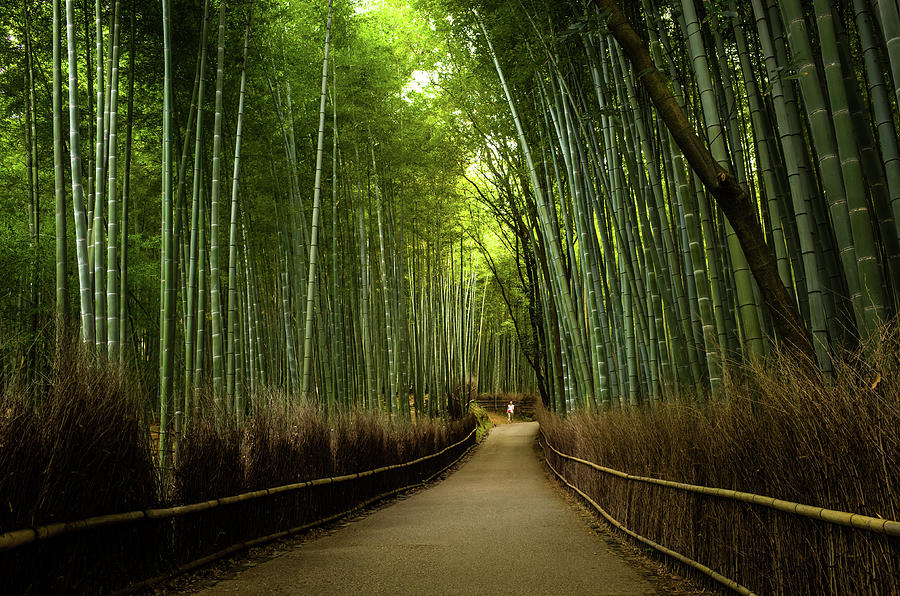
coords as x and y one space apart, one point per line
499 525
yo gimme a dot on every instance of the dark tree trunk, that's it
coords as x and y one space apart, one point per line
728 194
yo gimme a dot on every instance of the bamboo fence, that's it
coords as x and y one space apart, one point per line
843 518
861 522
21 537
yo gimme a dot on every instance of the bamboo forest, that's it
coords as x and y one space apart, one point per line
271 263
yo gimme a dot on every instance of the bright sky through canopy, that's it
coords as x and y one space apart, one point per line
421 81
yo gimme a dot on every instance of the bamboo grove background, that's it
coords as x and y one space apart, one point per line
638 282
247 195
529 222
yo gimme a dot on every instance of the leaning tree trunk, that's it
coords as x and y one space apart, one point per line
728 194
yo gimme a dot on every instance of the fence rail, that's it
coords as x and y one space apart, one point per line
21 537
234 548
712 573
875 530
843 518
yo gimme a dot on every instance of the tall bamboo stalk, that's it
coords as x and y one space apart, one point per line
62 295
313 243
167 297
126 195
232 235
196 230
81 234
112 282
218 348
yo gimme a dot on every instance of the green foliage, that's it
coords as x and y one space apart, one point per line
423 143
482 420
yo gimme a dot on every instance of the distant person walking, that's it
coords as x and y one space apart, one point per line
509 411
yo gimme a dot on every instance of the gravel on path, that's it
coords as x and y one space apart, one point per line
495 526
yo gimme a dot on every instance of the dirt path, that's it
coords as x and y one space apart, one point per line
494 526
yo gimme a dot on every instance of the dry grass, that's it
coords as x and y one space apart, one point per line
780 434
85 450
275 448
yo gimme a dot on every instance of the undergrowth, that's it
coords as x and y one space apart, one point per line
85 450
82 452
778 433
482 420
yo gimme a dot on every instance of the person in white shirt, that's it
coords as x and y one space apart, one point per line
509 411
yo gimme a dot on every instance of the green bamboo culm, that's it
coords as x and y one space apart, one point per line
215 302
81 234
97 234
339 369
62 297
233 394
313 243
196 232
871 279
126 194
801 186
822 135
167 297
112 236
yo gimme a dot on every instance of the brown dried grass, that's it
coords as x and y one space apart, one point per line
85 450
82 452
780 433
279 446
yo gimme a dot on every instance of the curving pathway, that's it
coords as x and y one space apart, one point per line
494 526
